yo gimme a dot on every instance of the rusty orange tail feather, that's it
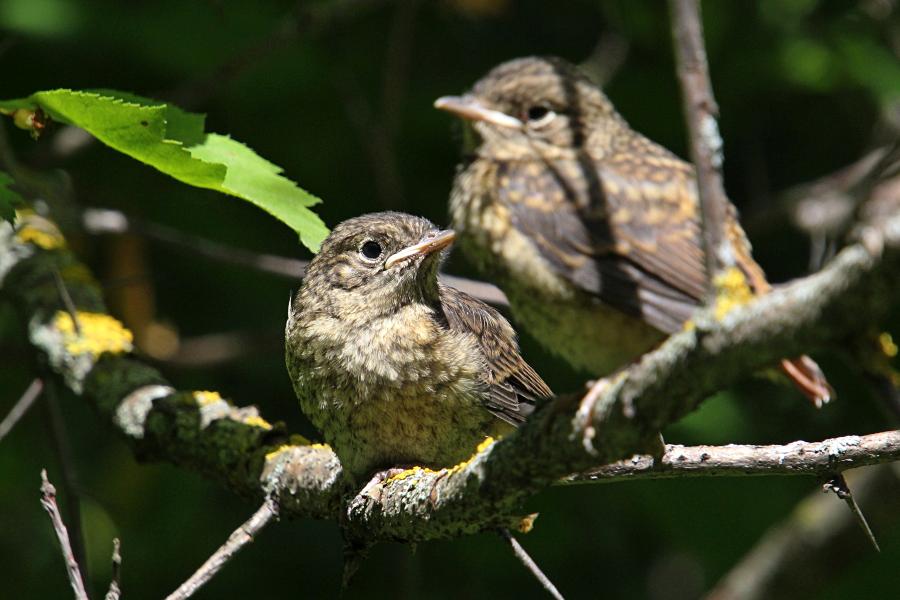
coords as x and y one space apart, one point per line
803 371
809 379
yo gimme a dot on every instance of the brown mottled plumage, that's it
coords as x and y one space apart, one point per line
393 367
591 229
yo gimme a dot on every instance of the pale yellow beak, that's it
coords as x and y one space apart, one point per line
432 242
469 108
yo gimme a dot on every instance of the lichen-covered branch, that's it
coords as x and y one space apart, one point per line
194 429
237 447
855 290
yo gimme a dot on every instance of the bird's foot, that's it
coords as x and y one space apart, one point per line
373 488
590 404
584 417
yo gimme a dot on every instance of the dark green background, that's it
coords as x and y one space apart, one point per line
804 87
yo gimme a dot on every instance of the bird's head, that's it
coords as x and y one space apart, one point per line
537 104
371 265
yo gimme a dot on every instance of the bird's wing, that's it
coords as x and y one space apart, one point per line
624 228
514 386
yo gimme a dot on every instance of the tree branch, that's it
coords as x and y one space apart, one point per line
638 402
101 220
59 439
235 446
529 563
700 113
239 538
838 485
115 583
48 501
819 539
819 459
21 407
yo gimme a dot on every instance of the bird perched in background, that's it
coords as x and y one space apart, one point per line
393 367
591 229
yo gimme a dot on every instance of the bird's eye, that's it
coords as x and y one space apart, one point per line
370 249
539 115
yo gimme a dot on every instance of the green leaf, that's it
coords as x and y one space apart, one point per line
9 199
174 142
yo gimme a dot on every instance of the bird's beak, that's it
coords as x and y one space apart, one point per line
469 108
433 241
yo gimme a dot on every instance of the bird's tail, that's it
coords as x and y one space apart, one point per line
808 378
802 371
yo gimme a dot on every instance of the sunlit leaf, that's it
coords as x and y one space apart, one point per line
174 142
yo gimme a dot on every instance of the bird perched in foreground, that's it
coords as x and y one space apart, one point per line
393 367
591 229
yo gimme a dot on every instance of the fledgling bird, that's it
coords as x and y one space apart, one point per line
591 229
393 367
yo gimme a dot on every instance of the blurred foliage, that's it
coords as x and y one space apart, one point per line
339 94
9 198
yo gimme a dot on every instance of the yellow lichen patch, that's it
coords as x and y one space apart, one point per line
296 441
204 398
461 465
409 473
48 240
732 291
888 347
35 229
274 453
257 421
96 333
485 444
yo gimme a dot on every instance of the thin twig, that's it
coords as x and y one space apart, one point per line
236 541
216 348
701 111
101 220
48 501
115 584
484 291
21 407
819 539
827 208
797 458
529 563
67 300
63 451
838 485
606 58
